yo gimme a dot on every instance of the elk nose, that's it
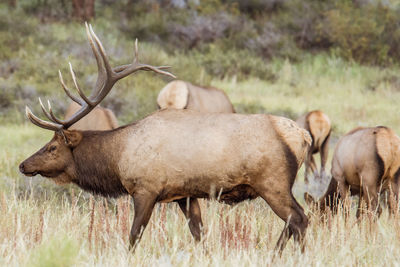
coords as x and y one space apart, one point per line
22 168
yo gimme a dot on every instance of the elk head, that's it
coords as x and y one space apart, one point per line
55 159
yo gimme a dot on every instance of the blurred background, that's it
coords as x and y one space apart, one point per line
270 56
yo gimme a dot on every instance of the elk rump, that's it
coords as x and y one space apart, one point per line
366 162
184 95
319 126
99 119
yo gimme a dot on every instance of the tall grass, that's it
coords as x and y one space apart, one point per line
45 225
59 232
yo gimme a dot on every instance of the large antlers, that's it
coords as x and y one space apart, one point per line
107 77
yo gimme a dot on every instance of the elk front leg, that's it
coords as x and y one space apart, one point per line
313 167
324 151
144 204
393 197
309 164
344 188
361 202
191 209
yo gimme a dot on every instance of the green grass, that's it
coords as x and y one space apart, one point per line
350 94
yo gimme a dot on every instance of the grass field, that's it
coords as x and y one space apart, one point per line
42 224
47 225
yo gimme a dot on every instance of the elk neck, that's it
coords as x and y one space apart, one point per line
95 162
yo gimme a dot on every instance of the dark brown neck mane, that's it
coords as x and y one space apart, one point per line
96 160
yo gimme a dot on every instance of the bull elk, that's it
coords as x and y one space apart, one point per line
366 162
319 126
174 155
99 119
184 95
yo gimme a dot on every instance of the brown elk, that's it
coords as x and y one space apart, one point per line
319 126
184 95
99 119
366 162
175 155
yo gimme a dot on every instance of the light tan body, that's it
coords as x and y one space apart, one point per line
173 155
202 151
184 95
367 160
319 126
99 119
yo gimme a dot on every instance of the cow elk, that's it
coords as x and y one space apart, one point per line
319 126
99 119
175 155
366 162
184 95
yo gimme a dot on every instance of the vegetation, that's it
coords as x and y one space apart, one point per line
269 58
218 42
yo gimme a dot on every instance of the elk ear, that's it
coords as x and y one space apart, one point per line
72 138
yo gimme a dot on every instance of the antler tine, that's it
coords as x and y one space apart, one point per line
68 92
55 119
44 110
49 114
123 67
94 49
82 95
101 77
103 54
134 68
41 123
136 59
125 70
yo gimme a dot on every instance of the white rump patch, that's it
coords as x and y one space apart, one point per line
173 95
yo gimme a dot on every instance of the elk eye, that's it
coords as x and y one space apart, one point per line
52 148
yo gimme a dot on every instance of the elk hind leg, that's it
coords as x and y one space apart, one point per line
143 204
280 199
191 209
370 191
324 151
393 200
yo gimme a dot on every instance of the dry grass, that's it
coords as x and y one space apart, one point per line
45 225
58 231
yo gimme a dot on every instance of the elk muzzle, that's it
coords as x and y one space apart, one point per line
25 170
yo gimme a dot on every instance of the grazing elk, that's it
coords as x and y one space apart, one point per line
366 162
99 119
319 126
175 155
184 95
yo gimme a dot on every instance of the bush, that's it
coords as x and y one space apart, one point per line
220 63
47 10
257 7
361 33
201 30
